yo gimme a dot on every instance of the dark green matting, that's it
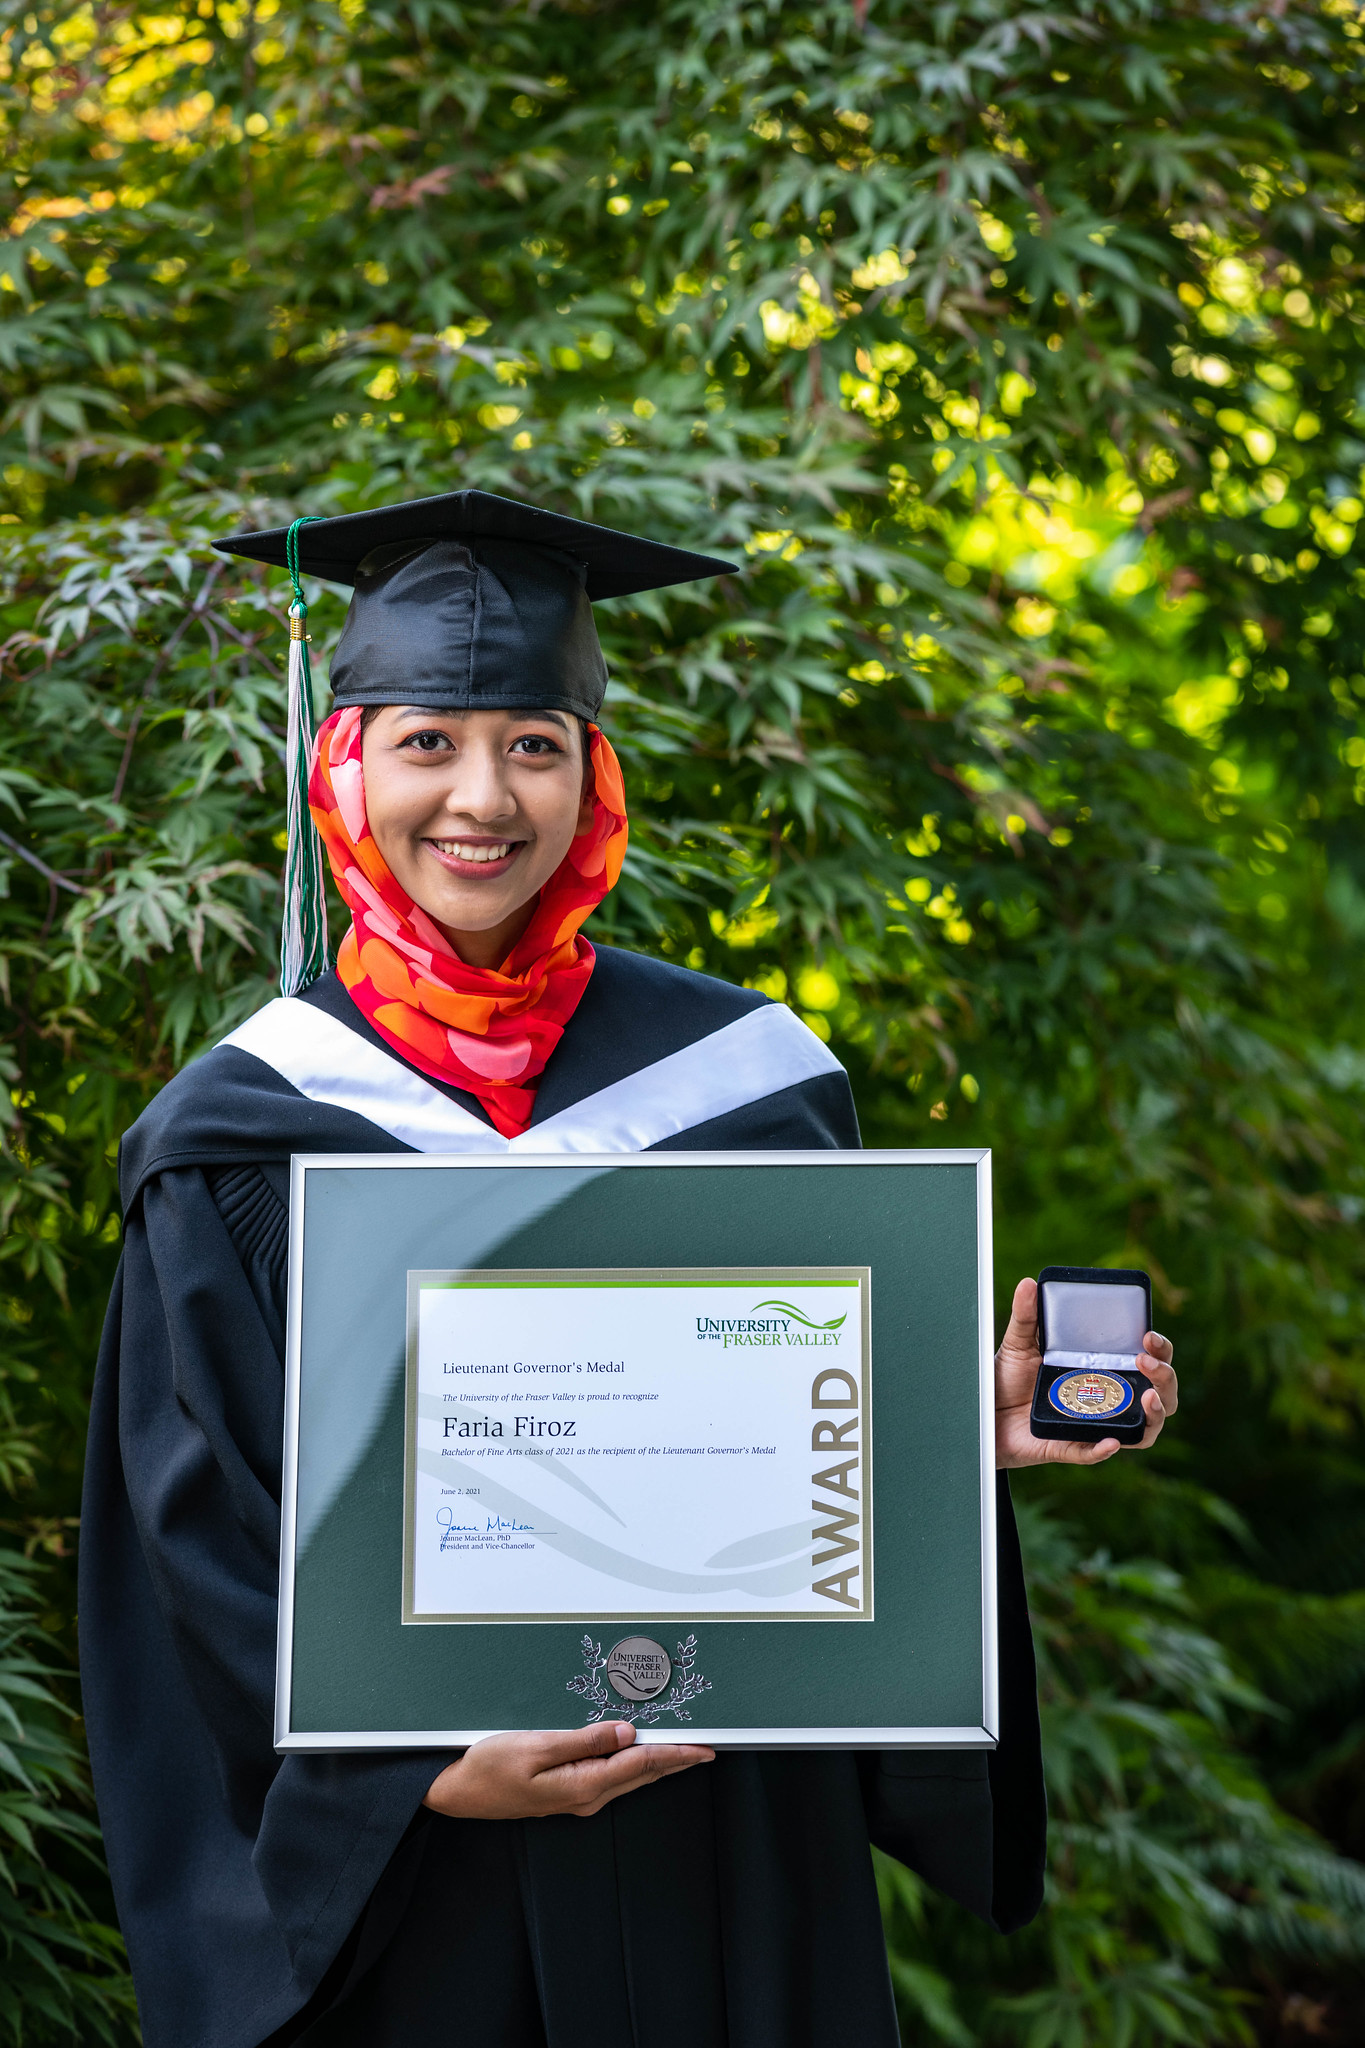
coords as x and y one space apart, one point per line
357 1669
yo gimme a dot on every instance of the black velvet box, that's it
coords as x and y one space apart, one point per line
1091 1323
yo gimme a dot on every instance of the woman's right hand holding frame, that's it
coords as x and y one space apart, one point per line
575 1770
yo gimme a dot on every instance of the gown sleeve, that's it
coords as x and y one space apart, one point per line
974 1826
204 1823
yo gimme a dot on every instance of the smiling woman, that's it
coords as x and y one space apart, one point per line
473 814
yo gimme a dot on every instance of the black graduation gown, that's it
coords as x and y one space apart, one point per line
730 1907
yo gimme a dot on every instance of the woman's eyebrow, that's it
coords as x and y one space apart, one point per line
425 711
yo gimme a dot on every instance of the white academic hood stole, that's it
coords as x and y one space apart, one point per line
761 1052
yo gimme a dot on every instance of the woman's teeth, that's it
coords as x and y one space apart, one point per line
457 850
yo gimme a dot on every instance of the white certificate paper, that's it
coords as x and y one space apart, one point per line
610 1445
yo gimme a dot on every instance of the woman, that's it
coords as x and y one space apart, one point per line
539 1890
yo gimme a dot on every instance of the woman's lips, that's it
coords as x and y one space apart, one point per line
475 859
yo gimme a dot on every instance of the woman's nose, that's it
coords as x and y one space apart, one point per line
480 790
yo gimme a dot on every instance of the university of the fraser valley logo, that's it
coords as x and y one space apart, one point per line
782 1324
645 1681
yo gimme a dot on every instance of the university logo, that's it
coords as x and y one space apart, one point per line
785 1324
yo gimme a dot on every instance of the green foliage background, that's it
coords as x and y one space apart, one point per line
1018 354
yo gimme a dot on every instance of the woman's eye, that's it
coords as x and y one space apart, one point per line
534 744
427 742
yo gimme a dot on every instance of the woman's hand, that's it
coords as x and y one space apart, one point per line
1016 1369
575 1770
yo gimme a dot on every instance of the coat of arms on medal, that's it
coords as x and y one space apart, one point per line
1091 1394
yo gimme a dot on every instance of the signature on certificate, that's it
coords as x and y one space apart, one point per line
494 1525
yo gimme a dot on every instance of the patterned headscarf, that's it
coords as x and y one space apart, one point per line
487 1030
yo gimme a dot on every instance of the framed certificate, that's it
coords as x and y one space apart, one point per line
702 1441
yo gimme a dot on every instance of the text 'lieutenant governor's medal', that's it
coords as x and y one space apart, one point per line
610 1444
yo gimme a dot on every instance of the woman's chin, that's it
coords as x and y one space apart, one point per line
458 915
473 897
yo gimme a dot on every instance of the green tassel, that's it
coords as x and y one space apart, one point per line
303 940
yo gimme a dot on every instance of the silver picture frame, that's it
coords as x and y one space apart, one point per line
982 1734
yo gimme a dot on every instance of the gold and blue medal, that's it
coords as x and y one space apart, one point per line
1091 1396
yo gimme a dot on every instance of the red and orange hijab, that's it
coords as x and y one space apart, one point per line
487 1030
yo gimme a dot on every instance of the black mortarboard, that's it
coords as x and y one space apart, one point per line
471 602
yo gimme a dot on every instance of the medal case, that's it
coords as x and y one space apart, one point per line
1091 1323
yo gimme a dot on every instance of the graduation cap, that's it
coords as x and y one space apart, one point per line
471 602
462 602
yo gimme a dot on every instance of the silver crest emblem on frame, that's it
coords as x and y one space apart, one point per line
638 1662
639 1669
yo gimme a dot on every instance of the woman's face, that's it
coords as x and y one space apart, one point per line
474 811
